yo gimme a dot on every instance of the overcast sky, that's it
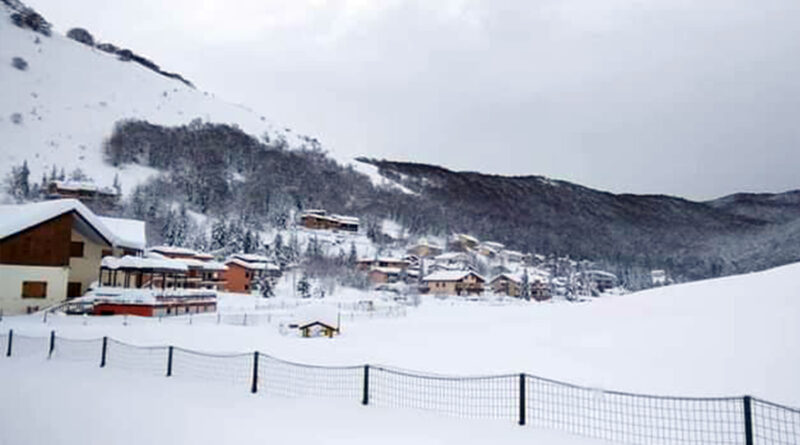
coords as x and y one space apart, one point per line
697 98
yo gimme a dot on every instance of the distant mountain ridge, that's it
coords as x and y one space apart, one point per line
733 234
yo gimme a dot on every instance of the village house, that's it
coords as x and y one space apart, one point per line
85 191
245 271
511 285
321 220
317 320
365 264
462 282
490 249
51 251
462 242
150 286
203 272
424 249
598 279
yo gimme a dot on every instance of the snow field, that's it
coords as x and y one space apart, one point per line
64 403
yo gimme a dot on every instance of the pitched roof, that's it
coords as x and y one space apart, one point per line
19 217
252 266
451 275
173 250
133 262
130 233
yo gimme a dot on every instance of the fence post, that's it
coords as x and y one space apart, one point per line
52 344
254 386
10 340
103 356
365 395
748 421
522 397
169 362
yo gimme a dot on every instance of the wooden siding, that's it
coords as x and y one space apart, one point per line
46 244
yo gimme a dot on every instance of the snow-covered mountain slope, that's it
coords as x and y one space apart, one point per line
60 108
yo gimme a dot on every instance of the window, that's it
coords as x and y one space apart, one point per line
107 252
246 287
34 289
76 249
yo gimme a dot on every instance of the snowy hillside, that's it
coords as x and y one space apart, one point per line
59 109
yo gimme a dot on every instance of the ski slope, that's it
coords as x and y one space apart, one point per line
724 337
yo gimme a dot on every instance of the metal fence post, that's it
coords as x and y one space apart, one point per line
10 340
748 421
365 395
169 362
52 344
103 355
254 386
522 397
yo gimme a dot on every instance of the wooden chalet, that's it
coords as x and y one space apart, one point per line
322 220
51 251
245 271
453 282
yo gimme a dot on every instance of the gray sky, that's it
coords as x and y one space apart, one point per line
697 98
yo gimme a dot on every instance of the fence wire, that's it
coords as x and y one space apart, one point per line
151 360
775 424
75 350
493 397
26 346
282 378
234 368
608 415
632 418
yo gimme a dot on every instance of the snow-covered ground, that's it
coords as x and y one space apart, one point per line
731 336
62 403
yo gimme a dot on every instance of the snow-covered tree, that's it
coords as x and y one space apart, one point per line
525 286
266 288
304 287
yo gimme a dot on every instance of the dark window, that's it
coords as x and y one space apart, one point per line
34 289
74 290
107 252
76 249
246 287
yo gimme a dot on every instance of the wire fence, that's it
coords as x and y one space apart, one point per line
522 398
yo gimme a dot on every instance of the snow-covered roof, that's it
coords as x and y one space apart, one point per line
347 219
468 238
387 270
323 313
172 250
451 275
383 259
494 245
130 233
134 262
214 266
204 256
86 186
253 266
16 218
251 257
142 295
448 256
600 273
